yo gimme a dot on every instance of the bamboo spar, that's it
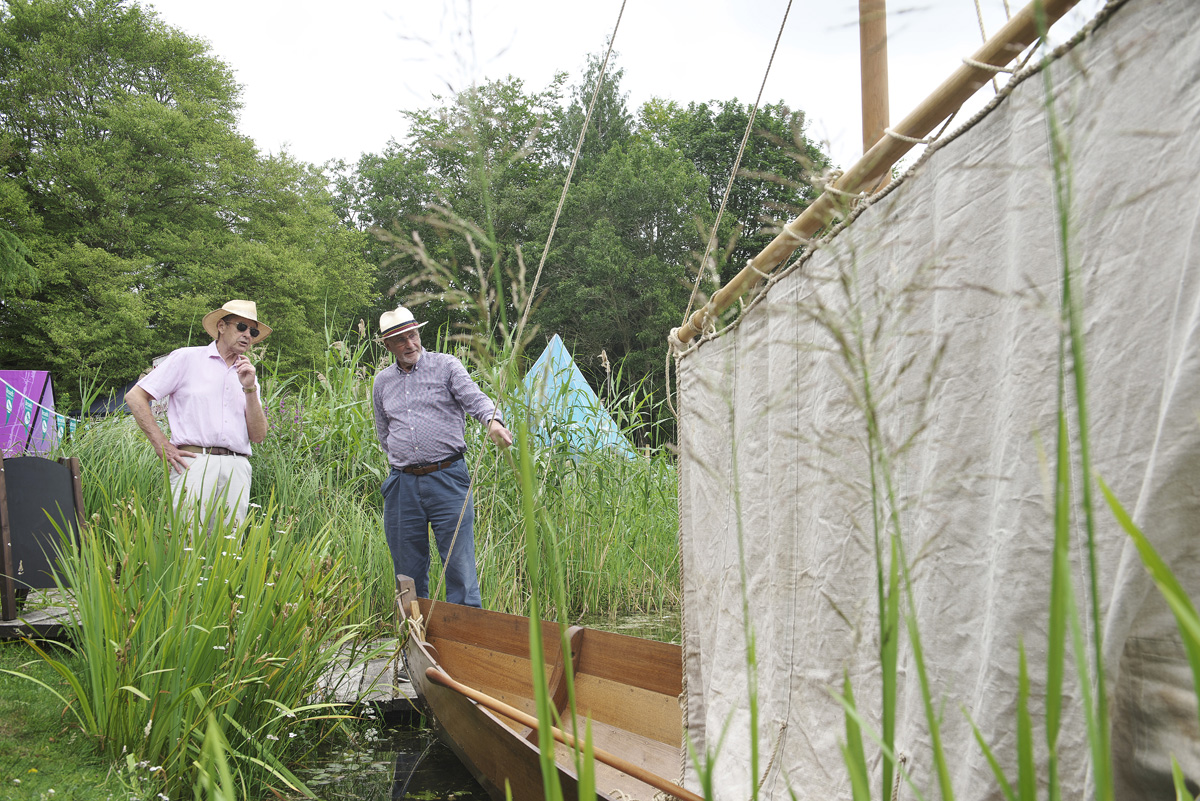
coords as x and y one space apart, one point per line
1017 34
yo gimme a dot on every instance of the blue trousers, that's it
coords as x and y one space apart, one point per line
414 504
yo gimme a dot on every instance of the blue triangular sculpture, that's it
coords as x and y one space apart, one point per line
562 405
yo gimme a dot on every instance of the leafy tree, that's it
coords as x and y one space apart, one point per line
141 204
617 279
116 121
774 180
477 181
16 259
611 123
484 162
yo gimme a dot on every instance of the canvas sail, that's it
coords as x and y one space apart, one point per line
938 311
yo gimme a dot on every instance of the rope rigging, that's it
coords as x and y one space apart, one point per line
712 237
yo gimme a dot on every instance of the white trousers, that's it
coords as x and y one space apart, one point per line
217 483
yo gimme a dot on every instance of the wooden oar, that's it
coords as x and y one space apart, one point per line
496 705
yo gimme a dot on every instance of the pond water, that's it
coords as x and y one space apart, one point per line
664 627
403 759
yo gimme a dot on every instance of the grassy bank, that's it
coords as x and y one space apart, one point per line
43 754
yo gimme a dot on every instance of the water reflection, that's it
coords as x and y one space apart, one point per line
404 762
660 626
433 773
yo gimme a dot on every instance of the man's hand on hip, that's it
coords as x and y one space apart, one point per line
176 458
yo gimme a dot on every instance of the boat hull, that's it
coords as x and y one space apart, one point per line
627 689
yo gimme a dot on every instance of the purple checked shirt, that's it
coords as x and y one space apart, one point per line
420 416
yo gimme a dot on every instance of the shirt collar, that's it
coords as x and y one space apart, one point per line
413 369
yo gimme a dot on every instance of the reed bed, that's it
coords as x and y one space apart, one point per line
613 518
198 657
321 466
201 648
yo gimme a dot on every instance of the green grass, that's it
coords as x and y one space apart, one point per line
44 753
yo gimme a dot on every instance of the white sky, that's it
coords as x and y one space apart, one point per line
328 80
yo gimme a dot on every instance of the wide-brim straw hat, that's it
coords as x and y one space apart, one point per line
242 308
399 321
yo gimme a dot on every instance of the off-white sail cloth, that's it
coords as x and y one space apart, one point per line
953 281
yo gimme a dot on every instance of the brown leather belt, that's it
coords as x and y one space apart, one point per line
422 469
213 451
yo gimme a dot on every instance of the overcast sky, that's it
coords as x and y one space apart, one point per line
328 80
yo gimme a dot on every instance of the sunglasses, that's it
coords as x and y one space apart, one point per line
241 327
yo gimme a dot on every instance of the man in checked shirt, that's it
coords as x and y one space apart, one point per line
421 403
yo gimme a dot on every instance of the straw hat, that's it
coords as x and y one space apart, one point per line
242 308
393 323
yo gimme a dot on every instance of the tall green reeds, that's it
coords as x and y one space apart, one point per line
321 467
178 627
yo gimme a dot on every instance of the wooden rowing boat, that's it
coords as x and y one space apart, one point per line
472 672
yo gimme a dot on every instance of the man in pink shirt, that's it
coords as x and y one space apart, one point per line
214 411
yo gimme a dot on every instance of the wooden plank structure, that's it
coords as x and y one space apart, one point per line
39 498
45 615
379 682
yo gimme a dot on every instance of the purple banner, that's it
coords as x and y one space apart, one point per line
28 428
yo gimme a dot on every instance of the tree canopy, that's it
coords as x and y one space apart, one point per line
141 205
635 221
130 205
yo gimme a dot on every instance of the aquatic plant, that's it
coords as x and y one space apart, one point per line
177 627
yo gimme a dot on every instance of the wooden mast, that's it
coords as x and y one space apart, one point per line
873 60
1008 42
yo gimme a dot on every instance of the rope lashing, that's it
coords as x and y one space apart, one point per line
983 36
758 272
860 195
826 184
912 140
901 761
828 178
983 65
774 755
